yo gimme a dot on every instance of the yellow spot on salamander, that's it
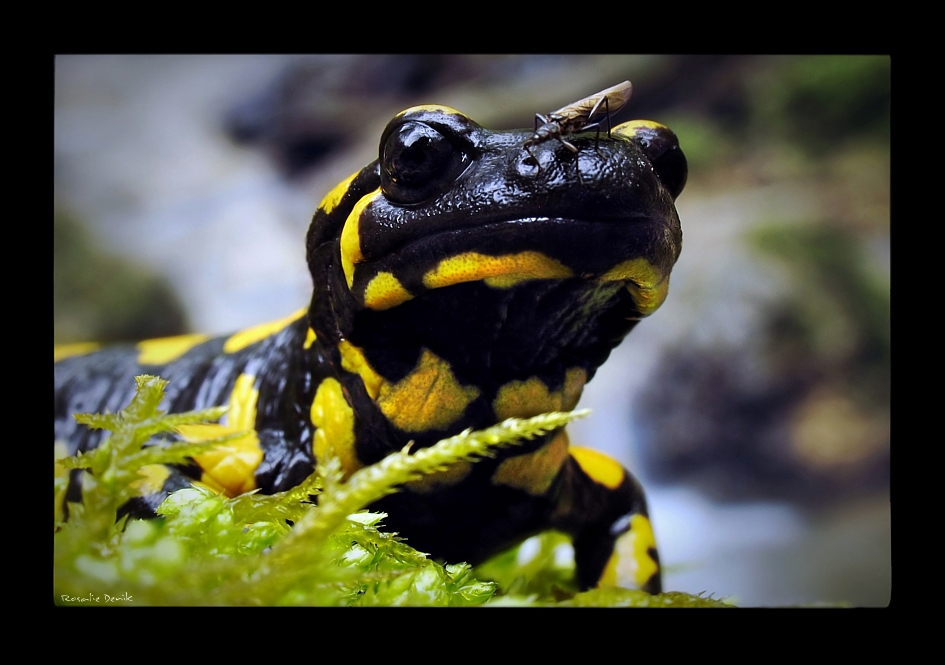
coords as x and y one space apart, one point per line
152 479
231 467
334 419
165 349
385 291
609 577
499 272
353 360
647 285
603 469
429 107
62 351
633 554
351 237
534 472
429 398
242 413
524 399
574 381
258 333
630 128
333 198
309 339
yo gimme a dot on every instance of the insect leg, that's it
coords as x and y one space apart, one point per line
573 148
596 125
607 114
528 149
567 144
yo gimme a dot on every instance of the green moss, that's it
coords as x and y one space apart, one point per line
282 549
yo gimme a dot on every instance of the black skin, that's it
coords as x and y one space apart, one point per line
447 186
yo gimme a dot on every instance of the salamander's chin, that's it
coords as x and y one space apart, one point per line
490 333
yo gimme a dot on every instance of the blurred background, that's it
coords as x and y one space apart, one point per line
753 406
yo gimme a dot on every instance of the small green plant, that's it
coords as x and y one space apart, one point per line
283 549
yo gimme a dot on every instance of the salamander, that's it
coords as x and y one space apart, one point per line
459 280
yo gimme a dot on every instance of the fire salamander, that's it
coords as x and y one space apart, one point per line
459 280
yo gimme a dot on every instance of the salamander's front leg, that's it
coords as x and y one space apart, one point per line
604 510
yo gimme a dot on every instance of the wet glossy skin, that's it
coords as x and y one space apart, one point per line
456 284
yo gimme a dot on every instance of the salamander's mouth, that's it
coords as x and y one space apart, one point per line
505 254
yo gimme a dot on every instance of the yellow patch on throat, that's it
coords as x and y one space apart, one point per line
244 338
600 467
351 237
535 471
385 291
333 418
165 349
499 272
231 466
429 398
353 361
525 399
646 284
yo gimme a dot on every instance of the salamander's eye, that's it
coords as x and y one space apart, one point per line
661 146
672 168
417 162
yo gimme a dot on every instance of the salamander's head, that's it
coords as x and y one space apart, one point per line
456 245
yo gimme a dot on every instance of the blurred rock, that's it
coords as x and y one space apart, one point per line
318 105
101 297
802 412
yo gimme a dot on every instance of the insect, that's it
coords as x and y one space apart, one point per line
577 117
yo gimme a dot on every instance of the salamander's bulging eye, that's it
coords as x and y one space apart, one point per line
417 162
661 146
415 154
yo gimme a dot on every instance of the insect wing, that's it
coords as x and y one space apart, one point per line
581 110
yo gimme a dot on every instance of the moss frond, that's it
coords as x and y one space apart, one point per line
616 597
373 482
